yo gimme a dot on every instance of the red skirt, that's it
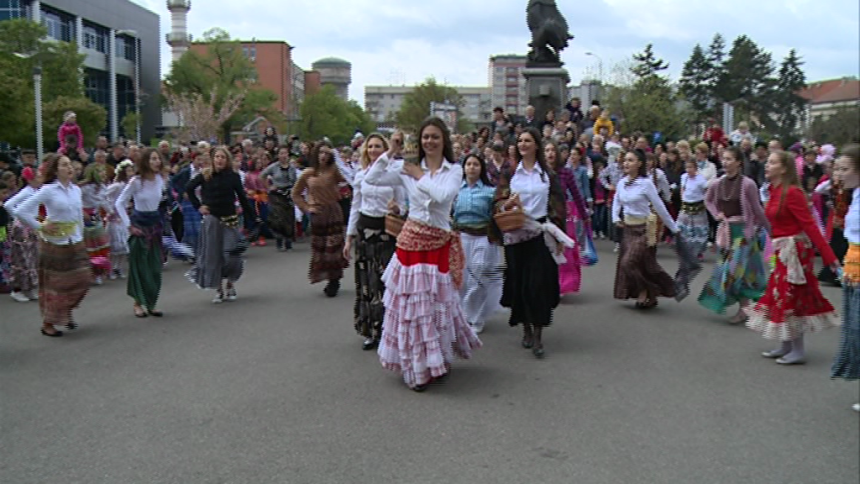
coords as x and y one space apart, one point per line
787 311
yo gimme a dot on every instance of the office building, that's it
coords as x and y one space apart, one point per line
507 83
383 102
121 43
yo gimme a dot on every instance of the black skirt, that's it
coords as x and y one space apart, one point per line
531 288
373 250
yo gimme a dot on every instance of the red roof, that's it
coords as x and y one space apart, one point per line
849 91
834 90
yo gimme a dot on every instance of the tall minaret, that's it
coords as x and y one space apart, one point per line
178 37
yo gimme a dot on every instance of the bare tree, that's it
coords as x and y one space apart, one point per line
200 120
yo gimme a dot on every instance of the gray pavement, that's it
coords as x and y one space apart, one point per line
274 388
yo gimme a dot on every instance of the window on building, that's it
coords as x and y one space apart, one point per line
10 9
253 53
90 38
58 27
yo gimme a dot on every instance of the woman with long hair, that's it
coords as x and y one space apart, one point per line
255 187
219 251
846 364
740 277
65 274
424 326
373 246
322 181
473 210
280 178
145 229
792 304
24 241
638 274
96 208
531 288
118 229
577 224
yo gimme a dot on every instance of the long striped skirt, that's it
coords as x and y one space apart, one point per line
481 291
373 250
327 239
24 258
96 241
637 268
144 261
740 275
216 255
65 277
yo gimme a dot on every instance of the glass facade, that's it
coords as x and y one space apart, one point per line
60 26
124 100
96 37
10 9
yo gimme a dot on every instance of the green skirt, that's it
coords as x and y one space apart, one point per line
740 275
145 260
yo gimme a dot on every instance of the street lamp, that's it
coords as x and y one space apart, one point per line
37 87
133 33
599 65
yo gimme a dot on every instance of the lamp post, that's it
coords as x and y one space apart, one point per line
37 87
133 33
599 66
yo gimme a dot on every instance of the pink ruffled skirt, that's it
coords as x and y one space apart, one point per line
423 327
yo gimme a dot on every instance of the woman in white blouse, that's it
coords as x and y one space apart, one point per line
373 246
693 219
531 288
424 326
64 267
144 227
638 274
24 252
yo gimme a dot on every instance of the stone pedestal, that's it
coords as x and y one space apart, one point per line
547 89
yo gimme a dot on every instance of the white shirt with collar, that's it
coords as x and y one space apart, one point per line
533 189
371 200
430 198
694 188
637 198
146 195
62 204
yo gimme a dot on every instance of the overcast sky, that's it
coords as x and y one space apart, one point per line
405 41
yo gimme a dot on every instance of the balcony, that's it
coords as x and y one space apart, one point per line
179 4
177 38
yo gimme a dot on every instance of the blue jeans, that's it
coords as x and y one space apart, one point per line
598 219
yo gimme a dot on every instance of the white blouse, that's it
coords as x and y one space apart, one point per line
694 188
18 198
852 219
637 199
371 200
533 191
430 198
146 195
62 204
93 196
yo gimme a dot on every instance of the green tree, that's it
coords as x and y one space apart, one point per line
416 104
325 114
91 117
647 64
60 64
716 58
129 124
694 82
839 128
226 71
747 80
789 107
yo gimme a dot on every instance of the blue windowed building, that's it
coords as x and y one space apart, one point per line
121 42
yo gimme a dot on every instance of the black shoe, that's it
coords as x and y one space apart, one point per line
331 288
55 334
538 352
72 325
369 344
156 314
420 388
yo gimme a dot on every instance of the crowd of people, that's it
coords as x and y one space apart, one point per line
442 239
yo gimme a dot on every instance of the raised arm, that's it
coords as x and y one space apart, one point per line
384 172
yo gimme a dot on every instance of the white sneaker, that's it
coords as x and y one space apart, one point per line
19 296
99 281
477 328
231 294
112 276
121 274
856 407
617 248
219 298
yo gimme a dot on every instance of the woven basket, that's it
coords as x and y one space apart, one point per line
393 224
510 220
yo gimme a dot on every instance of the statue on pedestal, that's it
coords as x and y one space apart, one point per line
549 33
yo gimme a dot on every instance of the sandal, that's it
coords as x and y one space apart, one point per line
139 312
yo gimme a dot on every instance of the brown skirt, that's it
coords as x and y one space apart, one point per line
65 277
327 239
637 268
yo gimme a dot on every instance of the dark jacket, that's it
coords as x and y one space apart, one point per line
219 193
